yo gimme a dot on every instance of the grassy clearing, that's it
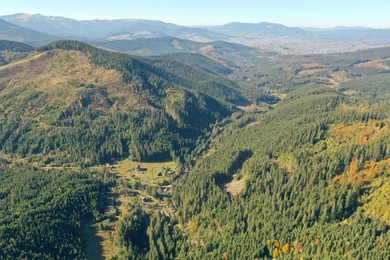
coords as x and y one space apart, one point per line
254 108
148 171
235 186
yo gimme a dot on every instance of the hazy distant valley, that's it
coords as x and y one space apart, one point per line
138 139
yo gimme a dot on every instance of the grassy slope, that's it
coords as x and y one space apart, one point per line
62 75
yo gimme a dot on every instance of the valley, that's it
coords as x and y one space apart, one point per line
167 148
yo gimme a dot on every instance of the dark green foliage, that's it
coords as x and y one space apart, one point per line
211 85
87 136
41 211
294 199
79 137
15 46
197 61
12 51
163 246
130 234
376 87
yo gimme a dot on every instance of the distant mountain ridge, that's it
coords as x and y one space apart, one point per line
269 36
108 29
12 32
258 30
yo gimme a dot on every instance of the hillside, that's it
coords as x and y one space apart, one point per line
307 176
223 52
291 202
357 74
200 62
63 88
12 46
12 51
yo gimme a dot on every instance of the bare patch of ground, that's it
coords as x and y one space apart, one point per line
235 186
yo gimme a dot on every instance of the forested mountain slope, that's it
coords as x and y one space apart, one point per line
309 178
42 212
73 103
12 51
200 62
313 168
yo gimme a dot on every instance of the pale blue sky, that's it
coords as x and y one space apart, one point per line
329 13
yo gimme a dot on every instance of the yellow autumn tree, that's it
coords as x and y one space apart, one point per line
276 253
286 249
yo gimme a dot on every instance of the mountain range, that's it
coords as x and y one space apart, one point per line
109 29
269 36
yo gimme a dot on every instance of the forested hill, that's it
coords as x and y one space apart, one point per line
15 46
137 71
69 102
200 62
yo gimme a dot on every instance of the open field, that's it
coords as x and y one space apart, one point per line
147 172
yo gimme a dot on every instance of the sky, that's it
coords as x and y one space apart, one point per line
300 13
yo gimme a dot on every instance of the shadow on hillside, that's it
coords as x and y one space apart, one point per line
93 243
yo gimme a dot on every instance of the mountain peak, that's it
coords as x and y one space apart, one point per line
22 16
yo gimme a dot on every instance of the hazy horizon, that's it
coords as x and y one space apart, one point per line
302 13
